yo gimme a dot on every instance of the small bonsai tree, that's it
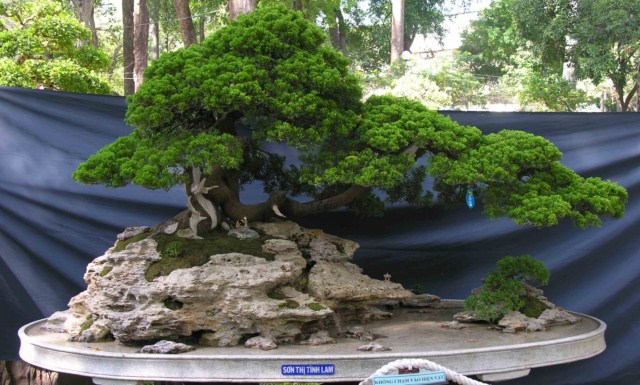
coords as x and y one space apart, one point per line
503 290
203 115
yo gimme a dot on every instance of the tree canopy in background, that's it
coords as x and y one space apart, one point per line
598 39
370 28
39 48
203 114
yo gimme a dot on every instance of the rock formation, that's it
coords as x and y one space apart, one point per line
548 314
304 285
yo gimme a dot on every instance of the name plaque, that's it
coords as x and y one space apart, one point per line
423 378
308 369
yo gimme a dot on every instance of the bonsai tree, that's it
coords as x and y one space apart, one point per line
503 290
204 116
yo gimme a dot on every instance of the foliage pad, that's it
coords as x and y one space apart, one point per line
503 289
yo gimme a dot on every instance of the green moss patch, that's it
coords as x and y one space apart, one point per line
182 253
276 295
121 245
315 306
174 249
533 307
86 324
106 271
290 304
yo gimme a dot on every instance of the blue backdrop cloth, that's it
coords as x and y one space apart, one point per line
51 226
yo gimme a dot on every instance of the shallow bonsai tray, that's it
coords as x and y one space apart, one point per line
473 350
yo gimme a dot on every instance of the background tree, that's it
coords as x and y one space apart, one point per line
140 40
183 13
492 40
441 83
39 48
397 29
240 7
85 10
598 38
203 114
607 45
539 89
369 38
128 46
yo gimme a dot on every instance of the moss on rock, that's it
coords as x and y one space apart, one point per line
276 295
290 304
121 245
315 306
196 252
533 307
86 324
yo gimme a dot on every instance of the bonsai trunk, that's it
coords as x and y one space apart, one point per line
215 196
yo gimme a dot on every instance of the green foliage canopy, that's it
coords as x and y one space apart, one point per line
492 39
503 290
600 38
39 47
270 77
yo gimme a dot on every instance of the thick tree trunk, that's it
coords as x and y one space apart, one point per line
201 24
140 40
338 32
85 10
334 37
240 7
128 46
226 195
397 29
187 30
155 40
342 29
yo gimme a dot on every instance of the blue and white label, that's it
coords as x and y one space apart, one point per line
308 369
471 200
424 378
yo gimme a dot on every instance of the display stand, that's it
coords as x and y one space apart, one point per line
474 350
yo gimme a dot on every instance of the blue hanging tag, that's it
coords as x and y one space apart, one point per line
471 200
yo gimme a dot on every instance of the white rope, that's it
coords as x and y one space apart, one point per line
396 365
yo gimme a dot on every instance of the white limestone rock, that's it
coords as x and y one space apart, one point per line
421 300
466 316
231 297
360 333
243 233
167 347
558 316
514 321
280 230
344 282
261 343
345 247
373 347
537 325
321 337
454 325
131 232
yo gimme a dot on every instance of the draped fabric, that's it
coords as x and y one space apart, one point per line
51 226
